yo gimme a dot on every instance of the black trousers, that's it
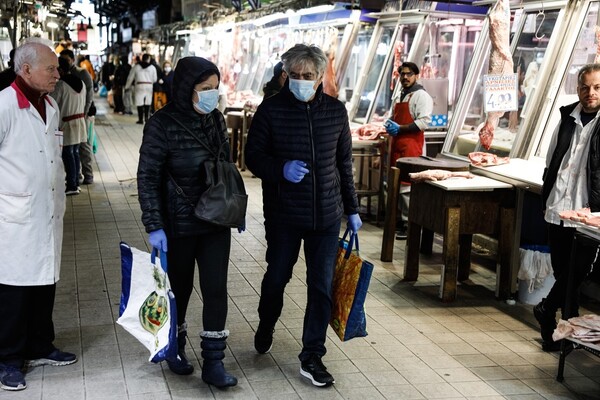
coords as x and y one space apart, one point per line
561 243
320 250
27 330
211 253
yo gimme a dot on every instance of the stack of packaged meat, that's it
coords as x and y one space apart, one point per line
583 215
586 329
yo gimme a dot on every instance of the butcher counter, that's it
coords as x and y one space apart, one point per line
457 209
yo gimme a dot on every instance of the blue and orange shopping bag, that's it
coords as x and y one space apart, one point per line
350 286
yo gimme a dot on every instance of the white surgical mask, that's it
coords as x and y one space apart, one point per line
301 89
168 69
207 100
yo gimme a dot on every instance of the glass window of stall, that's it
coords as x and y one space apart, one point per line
374 100
358 58
584 52
533 29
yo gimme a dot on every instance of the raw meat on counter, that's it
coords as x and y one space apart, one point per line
483 159
398 50
368 132
501 62
579 215
438 175
586 328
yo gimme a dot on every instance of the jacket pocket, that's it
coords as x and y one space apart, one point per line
15 208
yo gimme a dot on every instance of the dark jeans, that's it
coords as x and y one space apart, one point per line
70 156
561 243
320 249
211 252
26 331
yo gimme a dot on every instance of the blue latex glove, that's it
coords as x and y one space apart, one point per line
392 128
354 223
294 170
158 240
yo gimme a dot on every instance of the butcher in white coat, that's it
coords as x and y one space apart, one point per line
32 205
142 78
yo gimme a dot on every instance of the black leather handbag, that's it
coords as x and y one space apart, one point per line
224 202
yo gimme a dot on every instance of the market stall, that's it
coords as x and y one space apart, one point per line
440 40
550 42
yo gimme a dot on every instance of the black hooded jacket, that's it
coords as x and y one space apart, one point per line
318 133
170 156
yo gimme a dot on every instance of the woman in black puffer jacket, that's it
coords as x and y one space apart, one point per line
169 185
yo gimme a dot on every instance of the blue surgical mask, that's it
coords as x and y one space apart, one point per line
301 89
207 100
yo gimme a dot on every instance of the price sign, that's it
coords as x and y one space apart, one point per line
500 92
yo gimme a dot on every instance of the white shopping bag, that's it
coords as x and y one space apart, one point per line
147 308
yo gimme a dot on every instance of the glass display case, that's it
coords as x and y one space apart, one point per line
441 43
535 28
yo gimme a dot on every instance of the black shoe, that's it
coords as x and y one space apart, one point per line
401 234
11 378
547 321
139 122
88 180
263 338
551 346
56 358
313 369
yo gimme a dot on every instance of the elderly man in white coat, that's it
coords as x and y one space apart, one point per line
142 75
32 205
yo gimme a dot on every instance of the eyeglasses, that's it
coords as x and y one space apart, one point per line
407 74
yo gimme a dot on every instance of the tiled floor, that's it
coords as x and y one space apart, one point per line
417 347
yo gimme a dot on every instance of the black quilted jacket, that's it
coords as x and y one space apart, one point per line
170 156
317 133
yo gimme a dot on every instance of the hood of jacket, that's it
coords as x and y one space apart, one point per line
186 76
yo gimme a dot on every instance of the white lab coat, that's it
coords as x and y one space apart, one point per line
32 191
142 80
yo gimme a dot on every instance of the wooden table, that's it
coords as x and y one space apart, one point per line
459 208
404 166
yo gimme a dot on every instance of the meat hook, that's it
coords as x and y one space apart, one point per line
537 31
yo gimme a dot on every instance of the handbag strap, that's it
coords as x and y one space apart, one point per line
202 142
352 242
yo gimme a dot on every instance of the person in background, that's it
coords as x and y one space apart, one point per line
119 80
169 186
571 182
85 148
276 83
143 75
85 63
411 113
32 226
162 88
70 95
307 182
108 72
127 100
8 75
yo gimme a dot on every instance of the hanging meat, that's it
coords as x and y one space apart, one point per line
398 50
501 62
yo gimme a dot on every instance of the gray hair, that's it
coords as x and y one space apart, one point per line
27 53
586 69
303 55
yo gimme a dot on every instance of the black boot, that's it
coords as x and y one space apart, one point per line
547 320
146 113
181 366
213 371
140 115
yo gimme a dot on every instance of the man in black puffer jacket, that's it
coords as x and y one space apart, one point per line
169 185
571 182
300 145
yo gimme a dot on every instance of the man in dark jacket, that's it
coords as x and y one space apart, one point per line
571 182
300 145
276 83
